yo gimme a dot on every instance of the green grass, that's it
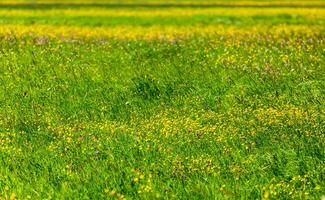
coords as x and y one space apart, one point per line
149 21
201 118
82 84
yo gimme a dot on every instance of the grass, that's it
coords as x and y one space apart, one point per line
218 114
149 21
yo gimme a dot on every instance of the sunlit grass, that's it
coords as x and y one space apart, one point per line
164 107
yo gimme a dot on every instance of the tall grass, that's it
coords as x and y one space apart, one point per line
201 117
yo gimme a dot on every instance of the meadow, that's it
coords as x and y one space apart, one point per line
157 99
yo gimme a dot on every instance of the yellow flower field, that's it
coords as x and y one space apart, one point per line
158 32
162 99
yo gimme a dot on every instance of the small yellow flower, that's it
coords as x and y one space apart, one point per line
266 195
12 196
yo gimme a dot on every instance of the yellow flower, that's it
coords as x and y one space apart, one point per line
12 196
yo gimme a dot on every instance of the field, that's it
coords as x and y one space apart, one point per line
162 99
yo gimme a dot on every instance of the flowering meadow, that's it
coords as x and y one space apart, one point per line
149 99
